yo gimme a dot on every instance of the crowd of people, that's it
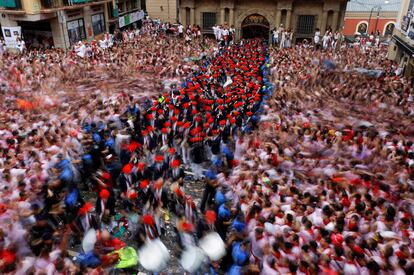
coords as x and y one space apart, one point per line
224 34
282 37
306 159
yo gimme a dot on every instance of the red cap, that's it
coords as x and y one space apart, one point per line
210 216
140 166
106 176
175 163
148 220
133 146
127 169
104 194
159 158
133 195
196 139
187 227
87 207
143 184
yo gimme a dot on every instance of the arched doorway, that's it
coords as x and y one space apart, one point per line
255 25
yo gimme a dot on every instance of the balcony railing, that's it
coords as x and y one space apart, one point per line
51 4
75 2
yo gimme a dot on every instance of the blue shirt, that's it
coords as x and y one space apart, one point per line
223 213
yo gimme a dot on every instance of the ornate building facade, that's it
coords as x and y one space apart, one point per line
258 17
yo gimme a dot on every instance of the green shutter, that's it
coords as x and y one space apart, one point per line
8 4
115 12
127 20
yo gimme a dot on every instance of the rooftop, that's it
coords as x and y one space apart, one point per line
368 5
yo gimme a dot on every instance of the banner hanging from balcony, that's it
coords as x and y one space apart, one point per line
407 22
131 18
8 4
10 35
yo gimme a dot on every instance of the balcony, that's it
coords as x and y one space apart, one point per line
53 5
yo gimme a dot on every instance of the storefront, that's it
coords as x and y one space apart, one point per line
85 24
76 30
37 34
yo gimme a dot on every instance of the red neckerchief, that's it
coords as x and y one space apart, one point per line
277 255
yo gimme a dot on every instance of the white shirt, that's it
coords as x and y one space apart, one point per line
180 29
317 37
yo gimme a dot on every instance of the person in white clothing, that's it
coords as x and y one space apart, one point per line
317 38
180 30
226 36
21 46
80 49
326 40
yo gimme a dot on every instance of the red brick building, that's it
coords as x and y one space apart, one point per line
369 16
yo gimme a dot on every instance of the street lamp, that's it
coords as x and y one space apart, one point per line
370 15
378 15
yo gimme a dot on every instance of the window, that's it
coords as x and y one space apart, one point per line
76 30
187 16
389 29
227 15
306 24
98 23
209 20
362 28
283 17
121 7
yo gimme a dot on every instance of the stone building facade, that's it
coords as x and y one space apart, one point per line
301 16
61 23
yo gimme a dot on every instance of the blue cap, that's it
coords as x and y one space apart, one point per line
238 226
211 175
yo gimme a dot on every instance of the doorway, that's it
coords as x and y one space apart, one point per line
255 26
